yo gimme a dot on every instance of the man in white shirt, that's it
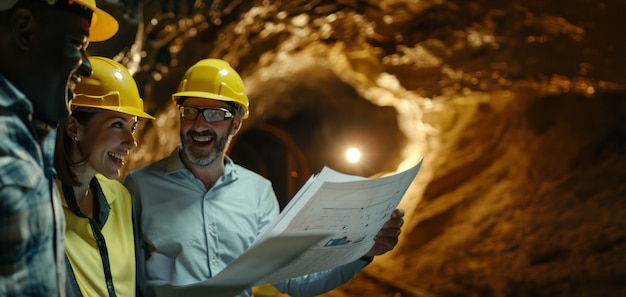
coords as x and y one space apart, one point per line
200 210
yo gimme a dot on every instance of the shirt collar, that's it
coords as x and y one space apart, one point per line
13 98
230 170
174 163
104 202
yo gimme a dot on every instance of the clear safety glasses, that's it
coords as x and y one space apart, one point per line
213 114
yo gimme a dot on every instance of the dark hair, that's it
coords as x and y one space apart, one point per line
62 161
236 107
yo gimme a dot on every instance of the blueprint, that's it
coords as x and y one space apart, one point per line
351 208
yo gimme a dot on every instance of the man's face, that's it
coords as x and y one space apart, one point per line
60 39
204 142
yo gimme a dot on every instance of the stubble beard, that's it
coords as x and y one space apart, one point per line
206 159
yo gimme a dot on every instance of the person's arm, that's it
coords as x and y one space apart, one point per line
141 253
268 208
14 236
322 282
26 228
143 289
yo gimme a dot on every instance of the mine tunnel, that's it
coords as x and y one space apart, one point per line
517 108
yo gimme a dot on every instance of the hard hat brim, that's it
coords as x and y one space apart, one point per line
103 25
206 95
125 109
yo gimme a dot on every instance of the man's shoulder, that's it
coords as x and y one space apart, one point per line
12 100
13 128
245 171
247 174
18 168
17 146
151 168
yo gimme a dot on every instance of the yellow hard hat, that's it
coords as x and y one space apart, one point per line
110 87
103 25
213 79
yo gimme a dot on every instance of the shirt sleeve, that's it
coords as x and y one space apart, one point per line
143 289
26 220
13 227
268 207
321 282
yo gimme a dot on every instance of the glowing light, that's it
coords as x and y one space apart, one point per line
353 155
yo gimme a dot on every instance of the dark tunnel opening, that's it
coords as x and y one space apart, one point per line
288 151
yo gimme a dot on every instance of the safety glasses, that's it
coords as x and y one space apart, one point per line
213 114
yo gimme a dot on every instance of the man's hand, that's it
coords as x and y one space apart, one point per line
387 237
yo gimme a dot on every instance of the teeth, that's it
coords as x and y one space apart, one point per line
202 138
117 156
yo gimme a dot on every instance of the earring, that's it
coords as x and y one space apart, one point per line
75 138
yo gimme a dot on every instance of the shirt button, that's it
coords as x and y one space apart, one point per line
213 256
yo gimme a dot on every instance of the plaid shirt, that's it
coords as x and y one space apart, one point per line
31 217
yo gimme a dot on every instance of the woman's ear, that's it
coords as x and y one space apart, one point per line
71 127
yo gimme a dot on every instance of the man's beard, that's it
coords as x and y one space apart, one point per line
206 158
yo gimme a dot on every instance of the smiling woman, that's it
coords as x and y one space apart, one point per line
91 147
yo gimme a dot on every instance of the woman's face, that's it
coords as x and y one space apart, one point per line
108 137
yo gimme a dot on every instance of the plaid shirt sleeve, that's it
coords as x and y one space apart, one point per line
26 228
28 259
